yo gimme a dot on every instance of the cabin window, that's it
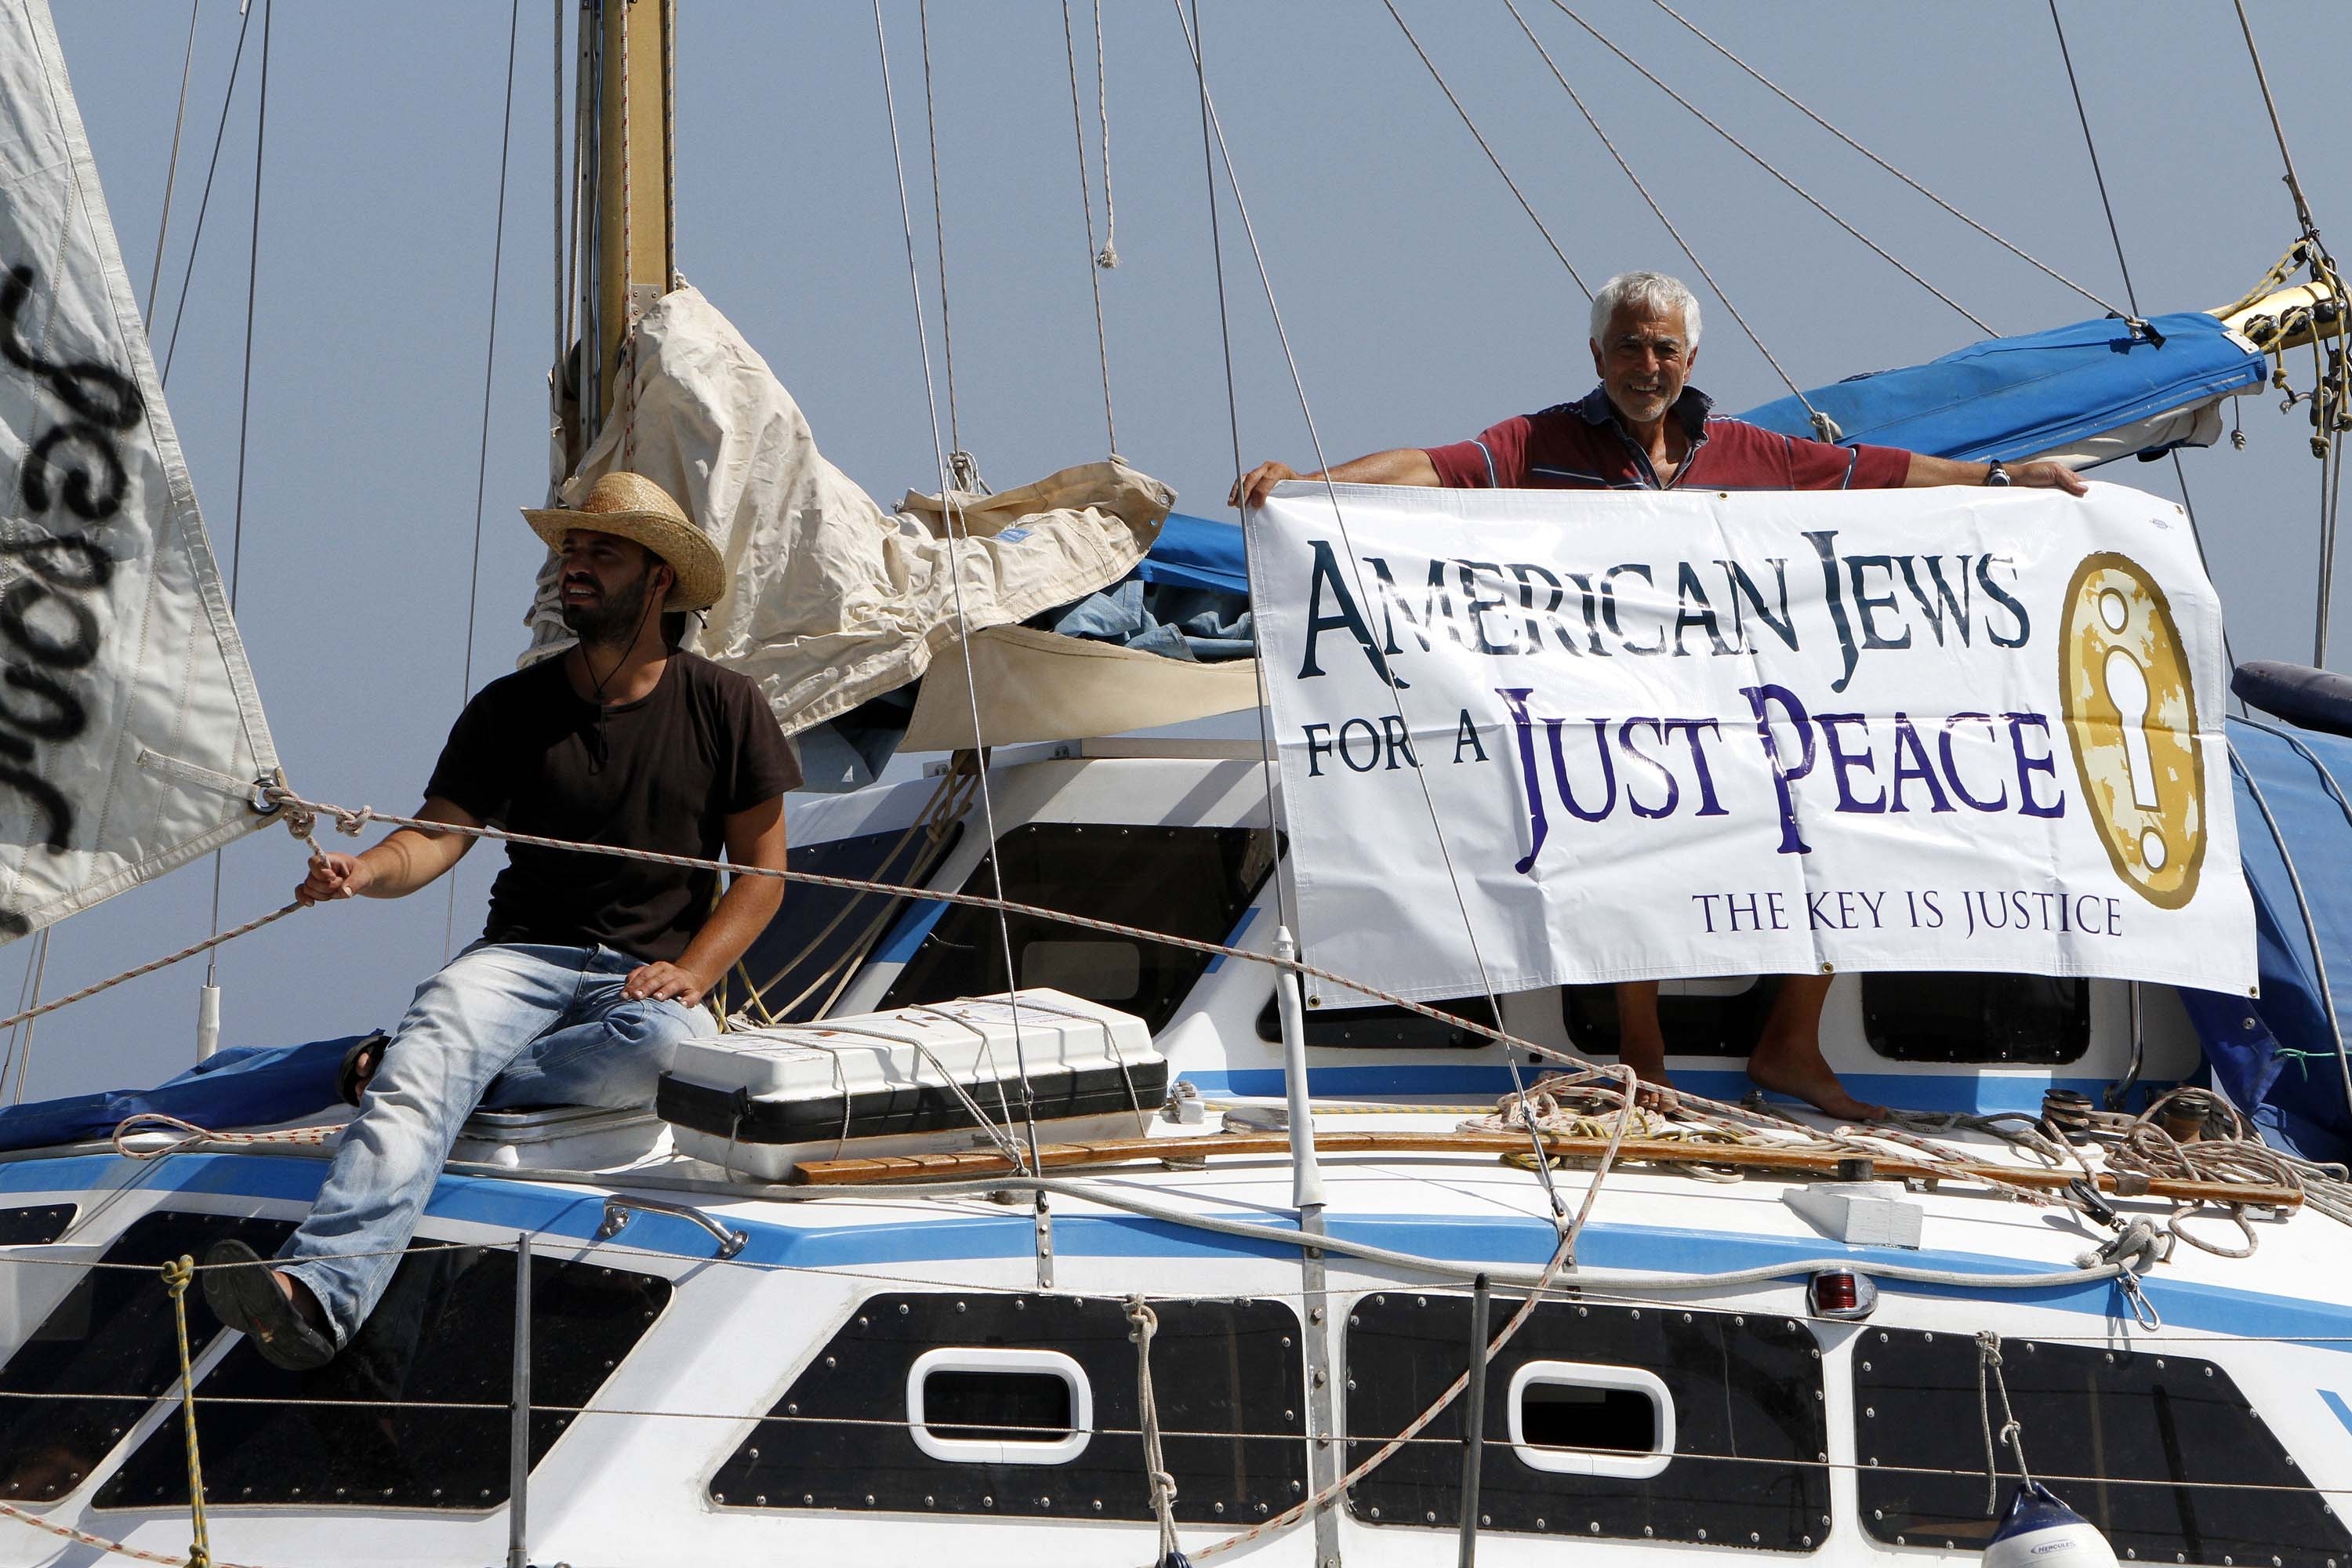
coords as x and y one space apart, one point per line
801 962
1608 1421
414 1412
1580 1419
994 1405
109 1339
1366 1028
1026 1406
1188 882
1698 1018
35 1227
1981 1019
2162 1453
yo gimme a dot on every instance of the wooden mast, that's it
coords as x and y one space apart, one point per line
625 108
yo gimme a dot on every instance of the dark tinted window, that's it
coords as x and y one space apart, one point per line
357 1430
2161 1452
1361 1027
111 1342
1696 1024
1751 1439
1228 1376
1188 882
799 964
1009 1406
2034 1018
35 1227
1588 1420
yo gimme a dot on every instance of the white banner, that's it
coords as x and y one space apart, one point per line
1672 735
127 710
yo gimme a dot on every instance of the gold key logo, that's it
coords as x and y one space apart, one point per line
2124 679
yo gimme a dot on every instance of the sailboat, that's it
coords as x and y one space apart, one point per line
1041 1202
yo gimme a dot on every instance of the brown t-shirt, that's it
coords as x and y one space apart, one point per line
661 774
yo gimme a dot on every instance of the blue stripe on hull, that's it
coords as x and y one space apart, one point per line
562 1212
1976 1093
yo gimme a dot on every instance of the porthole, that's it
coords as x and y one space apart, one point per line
1577 1419
990 1406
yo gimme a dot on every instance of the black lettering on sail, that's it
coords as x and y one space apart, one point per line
93 497
101 396
45 646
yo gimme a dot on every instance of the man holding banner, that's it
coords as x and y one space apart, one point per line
1645 429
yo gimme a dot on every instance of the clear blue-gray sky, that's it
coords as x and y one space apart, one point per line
1420 300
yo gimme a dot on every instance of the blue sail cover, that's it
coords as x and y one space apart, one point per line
2012 397
2279 1058
1197 553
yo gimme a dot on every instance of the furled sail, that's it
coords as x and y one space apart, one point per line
831 598
2083 395
130 734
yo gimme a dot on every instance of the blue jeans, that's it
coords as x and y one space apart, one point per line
503 1025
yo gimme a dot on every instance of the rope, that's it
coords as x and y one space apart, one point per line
1086 204
172 172
2012 1433
194 1135
1480 137
1785 96
352 822
1823 426
83 1538
482 463
196 239
1108 256
2262 78
1413 1428
176 1275
1759 161
1146 1324
193 948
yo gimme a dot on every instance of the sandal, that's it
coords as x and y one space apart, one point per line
359 1068
242 1290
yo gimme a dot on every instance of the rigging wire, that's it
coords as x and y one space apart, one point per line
212 167
939 239
1085 202
1791 99
482 461
1480 137
1314 434
20 1039
1822 425
1284 913
949 512
172 172
555 392
2329 414
1758 160
2131 298
245 396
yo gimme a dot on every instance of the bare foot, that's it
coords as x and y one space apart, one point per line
298 1294
1812 1080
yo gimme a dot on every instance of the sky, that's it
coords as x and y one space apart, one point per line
1421 303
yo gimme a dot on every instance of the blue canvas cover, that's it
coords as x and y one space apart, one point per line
1197 553
2010 398
249 1086
2280 1058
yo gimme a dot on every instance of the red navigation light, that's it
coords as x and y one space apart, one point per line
1842 1293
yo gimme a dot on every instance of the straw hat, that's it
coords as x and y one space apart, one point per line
634 507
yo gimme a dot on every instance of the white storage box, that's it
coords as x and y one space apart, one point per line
761 1101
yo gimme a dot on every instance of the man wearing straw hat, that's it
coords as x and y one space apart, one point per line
592 968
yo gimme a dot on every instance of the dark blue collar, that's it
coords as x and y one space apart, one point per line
1692 409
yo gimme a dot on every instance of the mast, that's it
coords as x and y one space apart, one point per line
624 214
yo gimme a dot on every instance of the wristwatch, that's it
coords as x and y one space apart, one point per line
1995 474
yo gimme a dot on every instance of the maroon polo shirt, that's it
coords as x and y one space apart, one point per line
1582 445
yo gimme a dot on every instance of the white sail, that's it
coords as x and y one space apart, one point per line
832 598
131 735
